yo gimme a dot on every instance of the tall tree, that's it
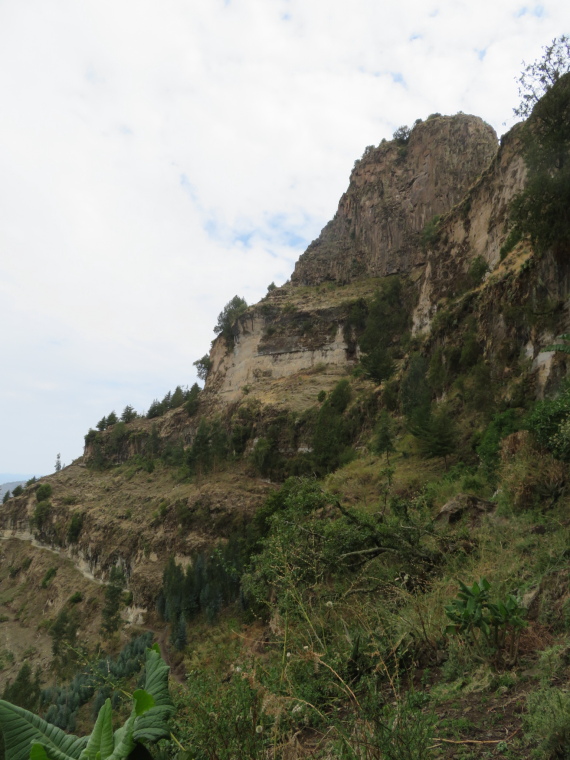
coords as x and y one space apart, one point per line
227 317
383 442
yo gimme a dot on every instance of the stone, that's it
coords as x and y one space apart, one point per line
464 505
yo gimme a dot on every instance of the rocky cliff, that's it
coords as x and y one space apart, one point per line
293 346
394 190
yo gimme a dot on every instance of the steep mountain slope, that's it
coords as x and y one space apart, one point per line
397 367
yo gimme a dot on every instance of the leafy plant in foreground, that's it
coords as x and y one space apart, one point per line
28 736
483 624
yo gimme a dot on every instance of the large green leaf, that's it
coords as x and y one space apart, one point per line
152 725
101 740
22 728
123 739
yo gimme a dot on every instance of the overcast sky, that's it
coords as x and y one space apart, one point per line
158 158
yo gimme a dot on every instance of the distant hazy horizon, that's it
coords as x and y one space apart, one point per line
12 477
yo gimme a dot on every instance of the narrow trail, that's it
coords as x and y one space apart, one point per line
177 671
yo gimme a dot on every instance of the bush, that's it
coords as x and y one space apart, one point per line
397 731
402 135
43 492
42 513
227 317
430 233
48 576
548 722
501 425
549 423
242 725
477 271
75 527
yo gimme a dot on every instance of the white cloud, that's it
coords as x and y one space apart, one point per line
158 158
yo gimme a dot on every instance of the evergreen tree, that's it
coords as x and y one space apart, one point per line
112 419
181 636
102 424
200 455
415 393
191 400
58 463
177 398
155 410
436 432
219 443
128 414
6 496
384 439
25 691
110 614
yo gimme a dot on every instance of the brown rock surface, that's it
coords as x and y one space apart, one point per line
394 191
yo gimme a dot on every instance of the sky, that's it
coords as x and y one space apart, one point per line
158 158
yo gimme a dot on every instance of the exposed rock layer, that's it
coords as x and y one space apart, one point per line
394 191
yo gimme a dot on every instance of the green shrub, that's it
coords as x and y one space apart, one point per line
386 322
43 492
548 723
430 232
549 423
512 239
242 725
477 271
502 424
75 527
42 513
489 627
76 598
48 576
397 731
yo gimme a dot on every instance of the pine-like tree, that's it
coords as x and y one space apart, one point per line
384 438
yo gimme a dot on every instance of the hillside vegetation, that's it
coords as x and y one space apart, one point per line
359 551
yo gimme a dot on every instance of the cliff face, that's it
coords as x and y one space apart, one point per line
394 191
300 339
478 226
289 332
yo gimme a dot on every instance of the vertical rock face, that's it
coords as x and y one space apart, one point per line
477 227
394 191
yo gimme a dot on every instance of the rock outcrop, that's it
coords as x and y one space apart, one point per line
395 189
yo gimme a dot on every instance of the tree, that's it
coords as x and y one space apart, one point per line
6 497
203 366
402 134
226 318
386 321
539 77
155 410
110 614
58 463
102 424
177 398
112 419
24 692
436 433
384 439
128 414
541 211
191 400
